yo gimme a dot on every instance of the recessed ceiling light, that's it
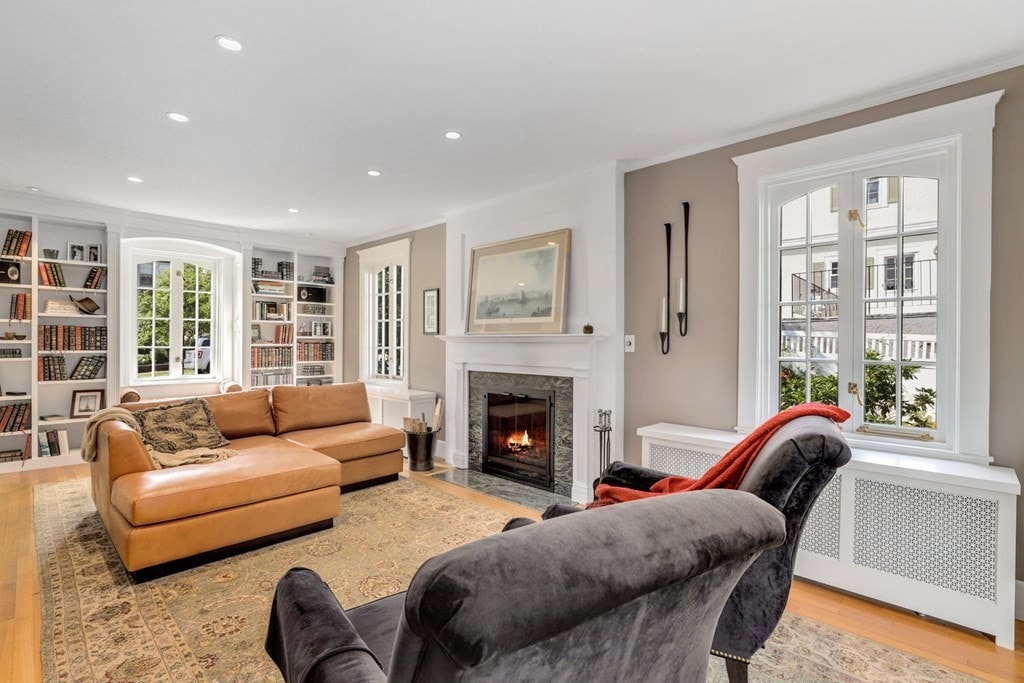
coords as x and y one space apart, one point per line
453 135
229 43
177 118
32 187
373 173
133 179
293 210
307 234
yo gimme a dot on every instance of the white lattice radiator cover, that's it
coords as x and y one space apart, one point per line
938 539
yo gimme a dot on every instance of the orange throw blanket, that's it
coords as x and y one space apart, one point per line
728 472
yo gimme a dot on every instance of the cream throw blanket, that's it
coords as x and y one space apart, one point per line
161 460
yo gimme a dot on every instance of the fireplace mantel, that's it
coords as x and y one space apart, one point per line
560 355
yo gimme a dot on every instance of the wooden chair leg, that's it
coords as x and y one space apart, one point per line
736 669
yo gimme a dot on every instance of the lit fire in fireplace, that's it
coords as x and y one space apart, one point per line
520 444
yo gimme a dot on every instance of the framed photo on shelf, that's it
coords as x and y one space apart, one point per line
94 253
86 402
518 286
76 251
431 299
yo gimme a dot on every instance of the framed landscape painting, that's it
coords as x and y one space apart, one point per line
519 286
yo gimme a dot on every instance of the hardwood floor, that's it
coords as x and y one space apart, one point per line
20 612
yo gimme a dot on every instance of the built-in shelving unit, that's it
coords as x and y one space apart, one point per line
52 352
292 315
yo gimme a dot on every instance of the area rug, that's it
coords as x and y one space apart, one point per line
208 623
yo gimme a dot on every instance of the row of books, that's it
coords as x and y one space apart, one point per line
313 309
52 275
267 357
322 274
72 338
17 243
52 369
313 370
13 455
269 287
53 442
88 367
316 350
10 353
270 379
21 306
284 334
15 417
270 310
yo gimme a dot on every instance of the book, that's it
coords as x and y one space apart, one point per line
52 418
44 445
62 442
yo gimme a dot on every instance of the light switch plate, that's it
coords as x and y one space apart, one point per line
630 343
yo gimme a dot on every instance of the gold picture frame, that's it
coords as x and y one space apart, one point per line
519 286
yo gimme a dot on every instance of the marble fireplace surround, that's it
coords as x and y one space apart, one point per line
572 356
561 416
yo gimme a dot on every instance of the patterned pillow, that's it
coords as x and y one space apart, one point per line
179 426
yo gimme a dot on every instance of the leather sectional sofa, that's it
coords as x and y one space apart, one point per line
296 447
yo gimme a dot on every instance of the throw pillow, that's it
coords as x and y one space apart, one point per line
179 426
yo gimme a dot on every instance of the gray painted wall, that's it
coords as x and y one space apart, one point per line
426 271
696 383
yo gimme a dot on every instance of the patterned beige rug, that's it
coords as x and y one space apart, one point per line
208 623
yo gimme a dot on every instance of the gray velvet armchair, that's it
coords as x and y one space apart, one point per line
789 473
592 597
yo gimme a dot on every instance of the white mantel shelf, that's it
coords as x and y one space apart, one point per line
526 338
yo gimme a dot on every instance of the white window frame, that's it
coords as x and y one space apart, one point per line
226 289
961 130
371 260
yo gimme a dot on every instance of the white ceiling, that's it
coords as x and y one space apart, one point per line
326 90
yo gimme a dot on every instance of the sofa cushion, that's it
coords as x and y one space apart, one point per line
349 441
242 413
273 470
179 426
311 407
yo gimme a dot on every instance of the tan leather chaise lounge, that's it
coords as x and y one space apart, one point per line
292 457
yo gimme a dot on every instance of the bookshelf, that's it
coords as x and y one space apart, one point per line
292 318
52 349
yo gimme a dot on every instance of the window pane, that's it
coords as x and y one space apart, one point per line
920 331
918 395
188 273
793 284
880 394
144 361
145 334
879 278
188 333
793 331
880 333
824 332
825 383
793 220
398 369
824 273
162 331
162 274
792 384
144 303
204 306
163 303
920 264
921 203
188 305
398 308
824 211
204 329
205 280
881 199
399 278
161 361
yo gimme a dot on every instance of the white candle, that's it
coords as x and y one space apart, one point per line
682 295
664 314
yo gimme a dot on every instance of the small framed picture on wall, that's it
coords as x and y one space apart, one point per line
76 252
94 253
431 302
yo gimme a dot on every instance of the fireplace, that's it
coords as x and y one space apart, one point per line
518 441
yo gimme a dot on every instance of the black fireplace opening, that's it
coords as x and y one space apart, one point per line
519 437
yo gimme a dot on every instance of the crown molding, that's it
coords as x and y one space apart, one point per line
848 107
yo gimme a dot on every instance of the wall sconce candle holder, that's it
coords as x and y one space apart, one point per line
684 281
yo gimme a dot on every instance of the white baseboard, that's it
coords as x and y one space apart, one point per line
441 450
1018 603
